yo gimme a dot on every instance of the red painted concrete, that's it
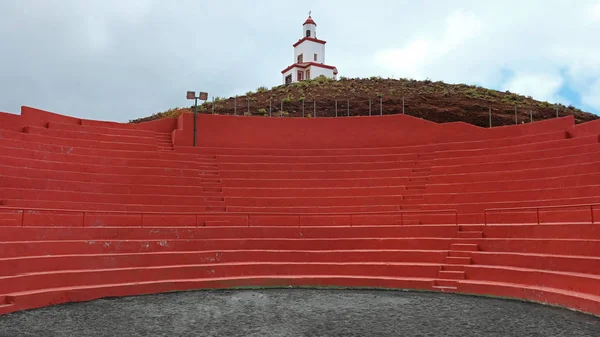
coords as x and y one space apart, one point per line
97 137
12 135
100 130
62 247
131 233
34 299
40 264
11 122
295 166
585 129
108 160
217 131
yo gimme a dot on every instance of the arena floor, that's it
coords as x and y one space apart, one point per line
300 312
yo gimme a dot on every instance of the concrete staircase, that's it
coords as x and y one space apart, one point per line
459 256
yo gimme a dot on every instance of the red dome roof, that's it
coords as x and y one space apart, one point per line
309 21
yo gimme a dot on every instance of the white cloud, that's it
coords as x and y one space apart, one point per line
591 95
595 12
543 87
154 50
482 45
415 59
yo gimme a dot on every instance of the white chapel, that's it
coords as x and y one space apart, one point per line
309 56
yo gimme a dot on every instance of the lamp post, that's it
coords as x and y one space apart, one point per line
202 96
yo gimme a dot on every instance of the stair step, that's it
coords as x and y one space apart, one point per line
207 167
408 222
457 260
457 253
444 289
6 308
453 267
421 170
413 197
415 187
216 208
451 275
418 179
215 223
209 173
467 228
214 199
469 247
210 181
212 189
410 208
470 234
446 283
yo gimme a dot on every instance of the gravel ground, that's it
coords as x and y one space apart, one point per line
300 312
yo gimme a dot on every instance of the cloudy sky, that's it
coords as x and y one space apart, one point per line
124 59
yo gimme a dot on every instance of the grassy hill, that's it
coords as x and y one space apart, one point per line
434 101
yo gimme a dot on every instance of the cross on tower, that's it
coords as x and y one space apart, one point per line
309 12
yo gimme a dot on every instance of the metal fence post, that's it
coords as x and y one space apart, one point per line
302 108
281 110
235 105
270 107
348 108
403 105
248 105
369 106
556 112
381 105
531 116
213 105
336 108
490 114
315 108
516 122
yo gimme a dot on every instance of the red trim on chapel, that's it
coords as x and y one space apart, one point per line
309 39
309 21
308 64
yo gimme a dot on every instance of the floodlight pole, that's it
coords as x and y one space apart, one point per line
195 116
201 96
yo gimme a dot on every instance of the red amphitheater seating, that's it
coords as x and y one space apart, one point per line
91 209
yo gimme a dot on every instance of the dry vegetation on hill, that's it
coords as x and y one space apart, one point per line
434 101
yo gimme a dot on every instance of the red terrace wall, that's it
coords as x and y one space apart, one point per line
260 132
585 129
10 122
253 132
38 117
346 132
181 137
159 125
460 131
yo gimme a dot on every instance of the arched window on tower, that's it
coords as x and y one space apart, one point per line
308 33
